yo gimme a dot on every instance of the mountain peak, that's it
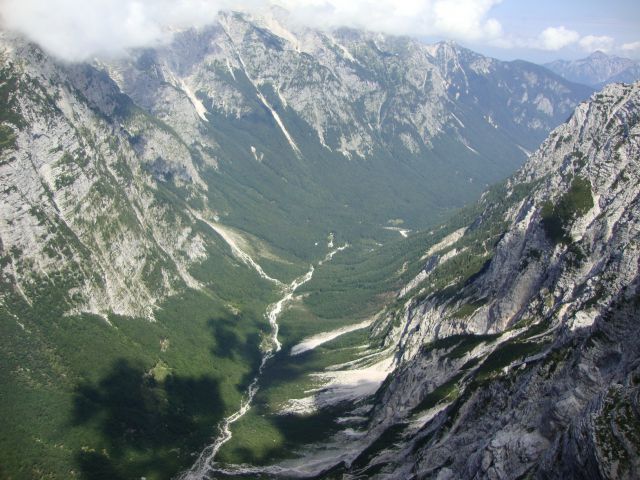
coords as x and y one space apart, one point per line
157 186
447 49
449 45
597 70
598 54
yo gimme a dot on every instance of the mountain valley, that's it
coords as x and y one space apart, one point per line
270 251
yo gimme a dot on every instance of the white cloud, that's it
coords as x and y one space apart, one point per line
633 47
80 29
466 19
555 38
591 43
459 19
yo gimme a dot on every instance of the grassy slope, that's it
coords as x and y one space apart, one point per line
292 202
83 399
76 371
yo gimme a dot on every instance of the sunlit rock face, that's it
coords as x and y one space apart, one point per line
120 178
530 365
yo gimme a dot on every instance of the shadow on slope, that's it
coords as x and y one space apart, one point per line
150 421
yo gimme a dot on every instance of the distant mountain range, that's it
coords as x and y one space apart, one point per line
597 70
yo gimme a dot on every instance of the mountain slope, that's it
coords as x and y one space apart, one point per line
343 121
120 312
597 70
148 204
527 365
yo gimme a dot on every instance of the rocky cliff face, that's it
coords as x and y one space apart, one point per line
354 90
82 207
378 109
527 364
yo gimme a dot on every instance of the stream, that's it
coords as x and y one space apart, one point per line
205 464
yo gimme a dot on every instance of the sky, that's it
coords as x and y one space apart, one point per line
612 26
538 31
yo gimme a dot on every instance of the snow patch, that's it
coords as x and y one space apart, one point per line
402 231
314 341
226 234
197 104
445 242
206 460
471 148
345 53
233 75
343 386
524 150
276 117
457 119
259 156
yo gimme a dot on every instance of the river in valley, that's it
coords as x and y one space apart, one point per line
205 466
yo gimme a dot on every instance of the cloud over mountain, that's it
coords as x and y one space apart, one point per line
76 30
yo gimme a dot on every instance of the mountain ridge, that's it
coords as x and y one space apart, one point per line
159 119
597 70
528 366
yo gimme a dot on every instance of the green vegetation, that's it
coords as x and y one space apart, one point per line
458 345
83 396
261 438
294 202
10 119
479 372
617 430
447 391
467 343
475 248
135 399
357 281
128 400
386 440
7 137
506 354
264 434
557 219
467 309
